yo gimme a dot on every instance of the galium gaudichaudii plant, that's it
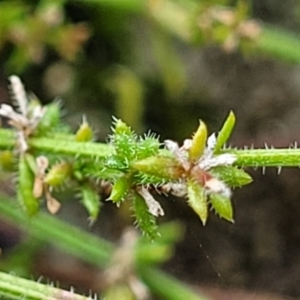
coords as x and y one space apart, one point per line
130 168
136 168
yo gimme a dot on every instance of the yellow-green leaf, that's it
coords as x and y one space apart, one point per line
25 188
197 199
84 133
120 189
232 176
225 132
58 174
222 206
198 142
160 166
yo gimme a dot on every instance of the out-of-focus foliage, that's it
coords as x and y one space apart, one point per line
32 31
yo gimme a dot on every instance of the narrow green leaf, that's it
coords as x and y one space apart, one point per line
197 200
160 166
232 176
198 142
225 132
222 206
120 189
90 200
25 188
144 220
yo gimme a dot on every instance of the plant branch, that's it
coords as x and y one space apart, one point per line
289 157
13 287
266 157
81 244
167 287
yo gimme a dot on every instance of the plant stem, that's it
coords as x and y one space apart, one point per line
13 287
83 245
47 228
289 157
266 157
280 43
70 147
64 145
167 287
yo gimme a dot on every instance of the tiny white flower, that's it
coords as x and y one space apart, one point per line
204 164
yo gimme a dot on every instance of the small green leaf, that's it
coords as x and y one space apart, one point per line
25 187
222 206
225 132
232 176
159 166
198 142
144 220
90 200
197 199
120 189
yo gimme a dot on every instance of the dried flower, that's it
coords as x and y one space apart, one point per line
26 117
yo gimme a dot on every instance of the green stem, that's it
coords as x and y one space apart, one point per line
13 287
50 229
70 147
245 157
56 145
167 287
124 5
267 157
280 43
85 246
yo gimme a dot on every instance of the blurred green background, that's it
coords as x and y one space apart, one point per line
163 65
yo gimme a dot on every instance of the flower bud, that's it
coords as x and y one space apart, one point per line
84 133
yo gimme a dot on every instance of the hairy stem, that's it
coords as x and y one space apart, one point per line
13 287
68 238
288 157
167 287
83 245
267 157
